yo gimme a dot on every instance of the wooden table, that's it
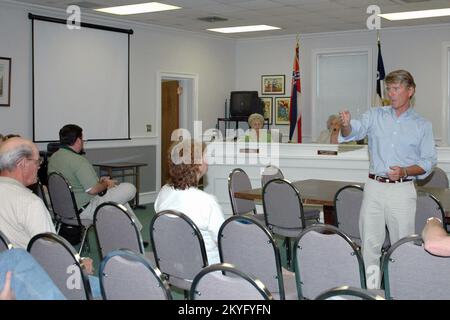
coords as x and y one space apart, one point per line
119 170
322 192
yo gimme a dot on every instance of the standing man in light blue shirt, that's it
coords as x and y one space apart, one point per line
401 149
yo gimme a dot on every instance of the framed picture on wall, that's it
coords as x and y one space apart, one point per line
282 110
267 108
272 84
5 82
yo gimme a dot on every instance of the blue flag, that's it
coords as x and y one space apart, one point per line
380 72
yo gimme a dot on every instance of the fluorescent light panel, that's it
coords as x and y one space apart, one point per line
261 27
416 14
138 8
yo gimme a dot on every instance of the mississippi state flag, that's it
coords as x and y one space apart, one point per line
295 93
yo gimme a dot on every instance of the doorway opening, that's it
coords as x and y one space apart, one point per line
178 108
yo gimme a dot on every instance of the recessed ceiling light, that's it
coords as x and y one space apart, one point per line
261 27
416 14
138 8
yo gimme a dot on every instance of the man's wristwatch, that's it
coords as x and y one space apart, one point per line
434 218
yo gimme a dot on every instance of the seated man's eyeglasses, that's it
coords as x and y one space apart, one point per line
37 162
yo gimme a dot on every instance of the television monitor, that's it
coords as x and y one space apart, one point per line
244 103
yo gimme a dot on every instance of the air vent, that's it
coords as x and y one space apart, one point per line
87 5
212 19
413 1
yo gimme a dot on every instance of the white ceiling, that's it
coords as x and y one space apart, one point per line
293 16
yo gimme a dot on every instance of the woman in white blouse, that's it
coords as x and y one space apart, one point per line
187 164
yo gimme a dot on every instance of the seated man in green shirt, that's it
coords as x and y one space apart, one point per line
81 175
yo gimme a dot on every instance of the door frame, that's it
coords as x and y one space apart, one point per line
445 128
188 108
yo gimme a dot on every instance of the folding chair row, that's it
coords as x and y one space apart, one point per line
324 258
124 274
347 204
284 214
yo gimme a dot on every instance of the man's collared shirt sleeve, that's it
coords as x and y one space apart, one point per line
428 154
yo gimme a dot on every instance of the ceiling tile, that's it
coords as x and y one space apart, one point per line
293 16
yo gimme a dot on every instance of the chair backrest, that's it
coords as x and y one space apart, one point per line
5 244
238 180
52 147
62 199
410 272
283 206
348 293
178 245
245 243
270 172
38 189
223 281
427 206
325 258
347 204
116 229
437 179
127 275
62 263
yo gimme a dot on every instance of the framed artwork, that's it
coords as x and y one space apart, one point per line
272 84
282 110
5 82
267 108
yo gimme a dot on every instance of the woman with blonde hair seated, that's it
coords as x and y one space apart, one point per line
256 133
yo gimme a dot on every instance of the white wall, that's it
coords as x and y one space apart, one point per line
416 49
152 49
224 65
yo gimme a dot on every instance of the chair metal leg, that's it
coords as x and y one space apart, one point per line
84 240
287 242
58 227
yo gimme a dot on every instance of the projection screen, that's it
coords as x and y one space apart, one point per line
80 77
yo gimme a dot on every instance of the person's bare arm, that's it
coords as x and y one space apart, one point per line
345 118
436 240
88 265
402 172
102 185
7 292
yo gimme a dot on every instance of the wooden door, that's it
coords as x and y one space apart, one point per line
169 121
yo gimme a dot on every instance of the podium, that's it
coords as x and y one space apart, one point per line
236 120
